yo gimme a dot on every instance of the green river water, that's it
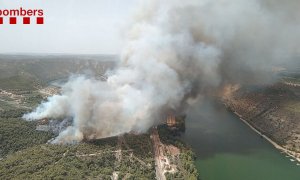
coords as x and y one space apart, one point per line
227 149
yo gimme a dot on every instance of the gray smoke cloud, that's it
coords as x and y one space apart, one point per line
175 51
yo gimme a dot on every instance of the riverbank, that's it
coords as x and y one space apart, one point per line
227 149
292 154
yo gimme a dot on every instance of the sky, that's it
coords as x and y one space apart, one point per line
70 26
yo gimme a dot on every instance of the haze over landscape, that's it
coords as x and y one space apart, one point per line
170 58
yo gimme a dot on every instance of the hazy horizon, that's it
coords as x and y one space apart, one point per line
70 27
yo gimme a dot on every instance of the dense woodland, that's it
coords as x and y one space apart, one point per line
17 134
95 160
29 157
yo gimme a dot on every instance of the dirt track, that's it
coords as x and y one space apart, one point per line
158 155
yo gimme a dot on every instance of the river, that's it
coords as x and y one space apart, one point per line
227 149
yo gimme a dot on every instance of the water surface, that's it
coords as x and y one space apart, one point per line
227 149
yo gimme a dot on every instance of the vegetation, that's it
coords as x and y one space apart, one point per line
19 69
293 106
24 157
12 113
17 134
89 160
19 82
59 162
185 160
32 99
137 161
141 144
24 153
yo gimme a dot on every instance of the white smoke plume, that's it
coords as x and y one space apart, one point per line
176 50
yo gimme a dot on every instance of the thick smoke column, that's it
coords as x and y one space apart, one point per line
176 50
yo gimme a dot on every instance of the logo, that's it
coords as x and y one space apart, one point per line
21 16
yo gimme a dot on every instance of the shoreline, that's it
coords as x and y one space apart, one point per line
294 155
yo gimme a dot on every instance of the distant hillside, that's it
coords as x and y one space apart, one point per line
273 110
18 70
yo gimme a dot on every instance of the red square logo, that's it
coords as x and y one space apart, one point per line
26 20
1 20
40 20
12 20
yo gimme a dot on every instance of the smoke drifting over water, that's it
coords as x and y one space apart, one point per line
175 51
